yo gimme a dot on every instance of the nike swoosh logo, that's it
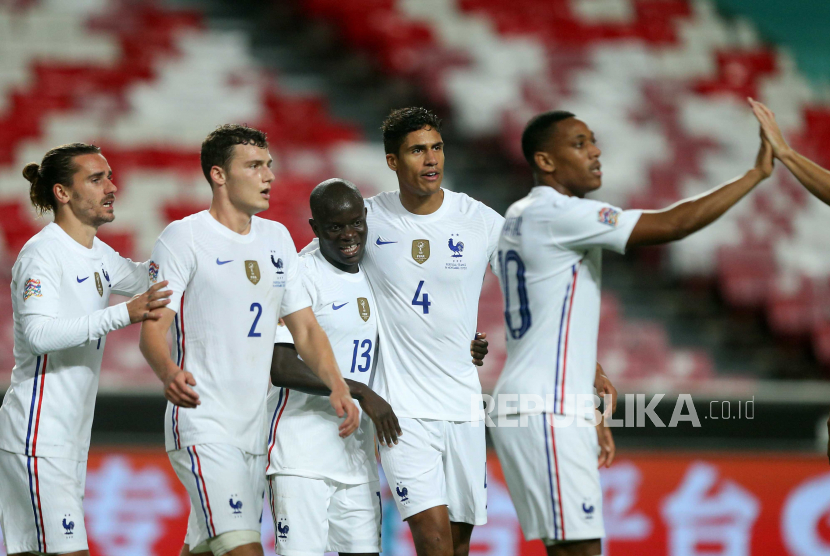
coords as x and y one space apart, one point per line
379 242
220 263
80 279
336 307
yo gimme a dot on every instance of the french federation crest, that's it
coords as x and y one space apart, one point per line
420 250
363 308
278 264
99 284
252 271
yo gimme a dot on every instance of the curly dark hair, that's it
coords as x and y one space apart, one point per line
403 121
538 131
58 166
217 148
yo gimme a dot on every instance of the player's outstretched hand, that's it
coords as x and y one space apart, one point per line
606 445
764 162
605 389
770 129
344 406
142 306
177 389
381 414
478 348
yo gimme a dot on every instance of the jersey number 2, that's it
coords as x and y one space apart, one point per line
252 333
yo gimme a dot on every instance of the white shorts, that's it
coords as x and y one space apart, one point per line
552 475
41 503
439 463
226 487
314 516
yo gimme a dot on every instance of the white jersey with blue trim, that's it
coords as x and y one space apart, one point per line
427 272
550 254
304 438
229 290
60 300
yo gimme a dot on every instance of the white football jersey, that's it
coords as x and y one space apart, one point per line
303 437
550 255
60 301
427 272
229 290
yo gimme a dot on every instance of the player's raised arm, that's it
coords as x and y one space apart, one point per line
690 215
812 176
153 344
313 346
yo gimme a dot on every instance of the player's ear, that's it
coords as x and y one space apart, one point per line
392 162
217 175
544 162
313 225
61 193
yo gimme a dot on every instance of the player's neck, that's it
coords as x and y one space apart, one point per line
230 217
350 268
74 228
548 181
421 204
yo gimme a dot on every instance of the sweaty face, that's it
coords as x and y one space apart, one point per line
342 232
419 162
92 194
575 156
249 177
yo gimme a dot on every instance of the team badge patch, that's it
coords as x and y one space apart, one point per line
154 271
32 289
420 250
252 271
457 248
363 308
278 264
99 284
608 216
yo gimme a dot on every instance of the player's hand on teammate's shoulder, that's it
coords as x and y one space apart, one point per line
382 415
143 306
607 448
478 348
343 404
177 389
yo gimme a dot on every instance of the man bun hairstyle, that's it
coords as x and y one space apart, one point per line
538 131
402 122
217 148
58 166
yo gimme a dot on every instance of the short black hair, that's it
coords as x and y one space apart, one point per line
332 195
217 148
58 166
403 121
539 130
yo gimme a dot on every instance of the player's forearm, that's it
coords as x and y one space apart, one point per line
315 349
153 346
289 371
690 215
46 334
812 176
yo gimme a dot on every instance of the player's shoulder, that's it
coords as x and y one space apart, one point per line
46 245
466 205
271 229
179 229
383 201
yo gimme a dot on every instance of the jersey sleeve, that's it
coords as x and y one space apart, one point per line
493 222
585 223
174 260
37 282
129 278
283 335
296 295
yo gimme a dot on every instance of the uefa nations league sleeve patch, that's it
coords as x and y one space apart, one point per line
32 289
608 216
154 272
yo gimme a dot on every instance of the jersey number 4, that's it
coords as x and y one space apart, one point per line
505 259
424 302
